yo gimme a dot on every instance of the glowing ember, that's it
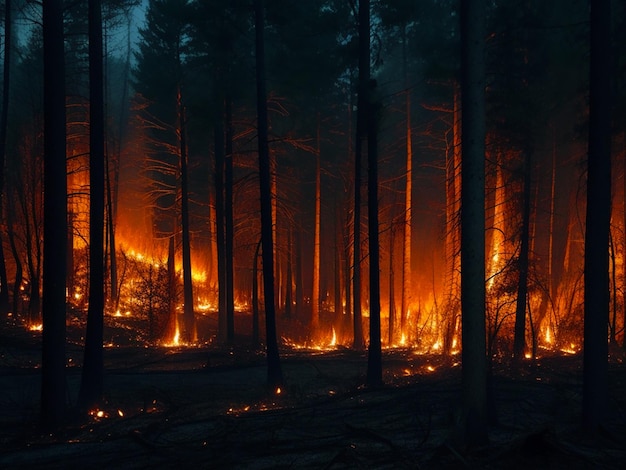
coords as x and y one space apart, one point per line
573 349
36 327
278 391
120 413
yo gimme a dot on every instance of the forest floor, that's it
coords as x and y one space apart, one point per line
207 407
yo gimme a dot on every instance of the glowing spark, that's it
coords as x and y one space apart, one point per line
430 368
121 413
528 355
100 414
278 391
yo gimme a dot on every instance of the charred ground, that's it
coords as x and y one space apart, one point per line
209 407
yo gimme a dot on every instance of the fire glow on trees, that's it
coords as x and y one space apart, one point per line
313 192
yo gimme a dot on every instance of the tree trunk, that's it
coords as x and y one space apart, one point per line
408 192
474 360
289 279
4 118
361 136
374 360
228 225
172 333
255 295
315 288
519 341
53 384
338 277
392 300
92 381
299 285
113 179
369 118
188 313
624 245
274 371
598 219
220 225
19 269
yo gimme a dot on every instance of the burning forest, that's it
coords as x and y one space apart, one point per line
262 212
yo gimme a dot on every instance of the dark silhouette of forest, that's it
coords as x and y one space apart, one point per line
422 201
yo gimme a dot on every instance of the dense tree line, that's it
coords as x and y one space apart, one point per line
234 129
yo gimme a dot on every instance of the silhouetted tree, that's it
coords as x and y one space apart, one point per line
92 383
598 220
361 136
53 386
369 118
474 360
274 371
4 284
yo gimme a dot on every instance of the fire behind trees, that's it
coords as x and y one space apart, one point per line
181 155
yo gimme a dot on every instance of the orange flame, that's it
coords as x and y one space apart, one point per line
333 341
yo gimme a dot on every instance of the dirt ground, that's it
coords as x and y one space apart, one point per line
206 407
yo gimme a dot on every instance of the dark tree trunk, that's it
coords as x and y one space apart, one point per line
274 371
255 295
228 225
338 249
92 381
374 360
299 285
361 136
53 389
4 119
598 219
369 118
347 274
114 297
474 375
220 227
392 301
314 326
173 329
519 341
19 269
188 312
289 278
